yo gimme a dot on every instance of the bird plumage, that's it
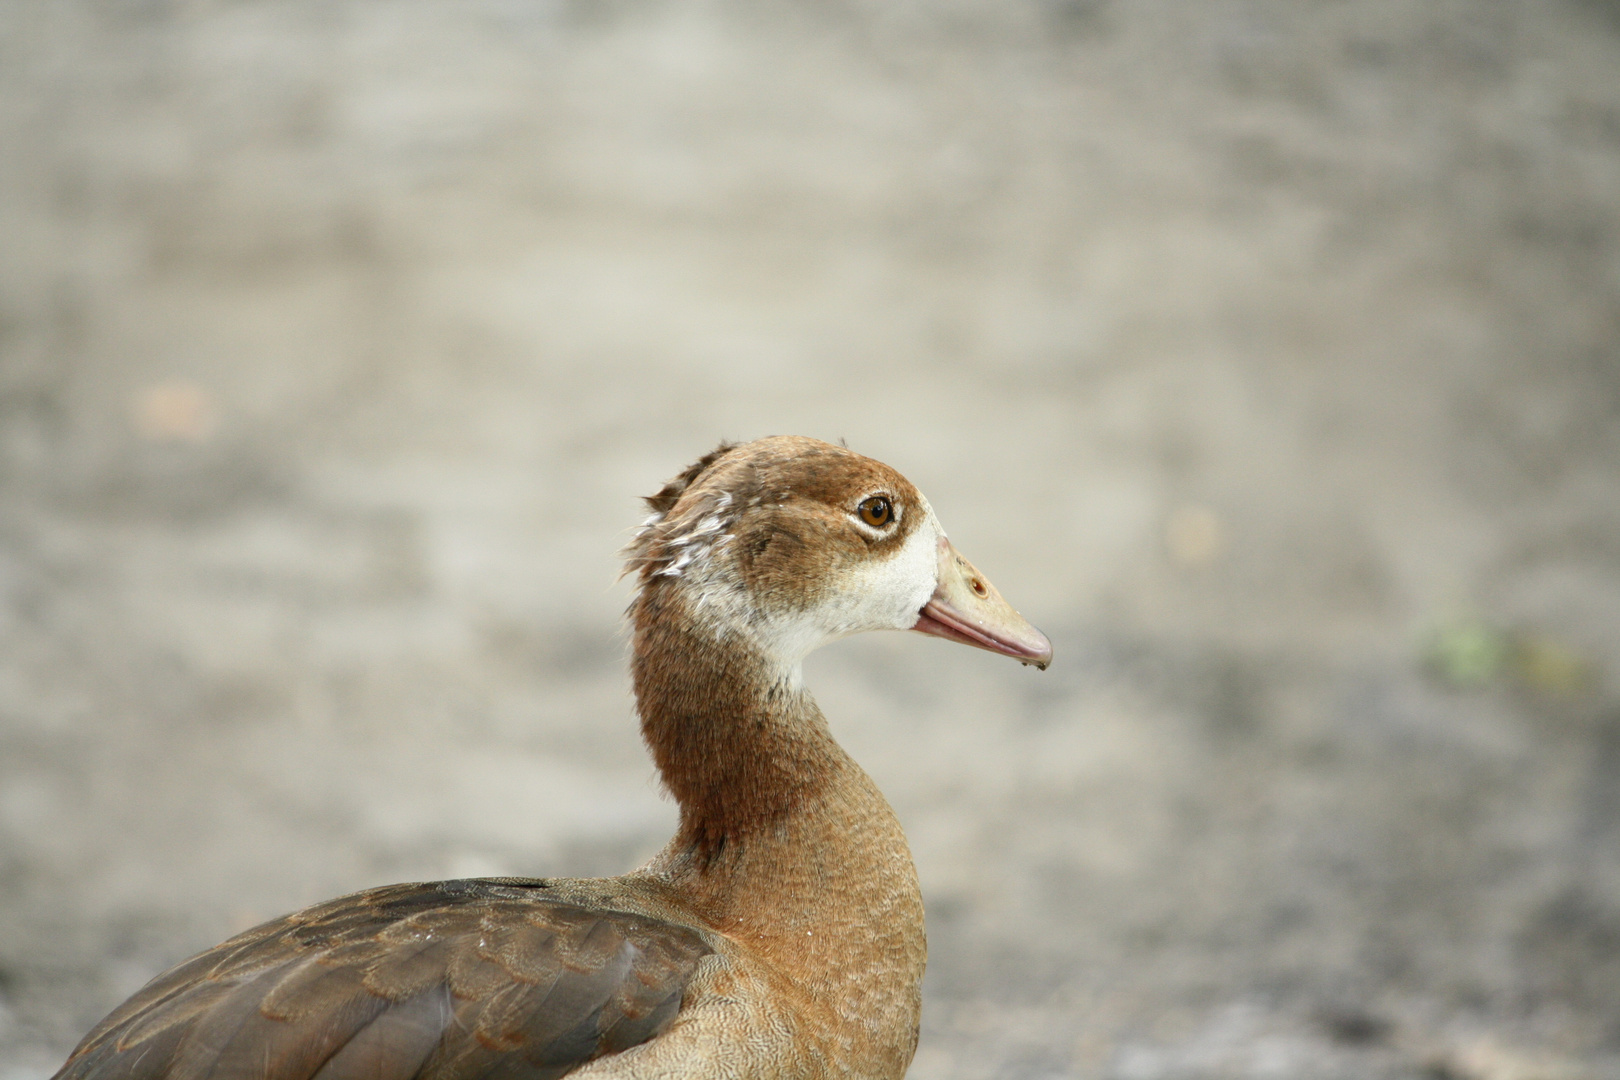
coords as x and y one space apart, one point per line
778 934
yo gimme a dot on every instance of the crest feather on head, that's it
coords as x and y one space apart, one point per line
666 545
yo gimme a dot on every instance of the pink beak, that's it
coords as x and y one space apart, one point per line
967 608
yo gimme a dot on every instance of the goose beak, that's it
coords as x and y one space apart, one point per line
965 607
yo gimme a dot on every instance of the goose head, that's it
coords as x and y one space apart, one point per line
792 542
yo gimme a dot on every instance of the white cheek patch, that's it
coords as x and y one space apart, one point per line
877 594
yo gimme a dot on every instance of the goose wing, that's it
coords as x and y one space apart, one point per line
452 979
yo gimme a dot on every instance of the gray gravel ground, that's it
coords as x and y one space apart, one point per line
1265 353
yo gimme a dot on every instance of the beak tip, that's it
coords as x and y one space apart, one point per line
1040 649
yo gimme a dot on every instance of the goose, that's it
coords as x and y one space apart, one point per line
779 934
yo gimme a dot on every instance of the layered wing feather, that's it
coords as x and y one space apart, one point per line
443 981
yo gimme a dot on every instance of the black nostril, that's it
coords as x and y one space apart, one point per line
978 587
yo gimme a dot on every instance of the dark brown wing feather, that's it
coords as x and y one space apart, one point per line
444 981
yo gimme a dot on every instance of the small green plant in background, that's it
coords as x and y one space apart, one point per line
1469 653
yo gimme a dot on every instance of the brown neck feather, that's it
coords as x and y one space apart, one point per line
785 846
738 747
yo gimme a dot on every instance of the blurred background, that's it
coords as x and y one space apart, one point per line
1266 353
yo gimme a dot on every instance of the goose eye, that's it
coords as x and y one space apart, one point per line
876 511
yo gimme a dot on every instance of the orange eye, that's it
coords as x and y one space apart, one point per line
876 511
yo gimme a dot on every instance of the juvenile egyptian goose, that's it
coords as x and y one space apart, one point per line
779 934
